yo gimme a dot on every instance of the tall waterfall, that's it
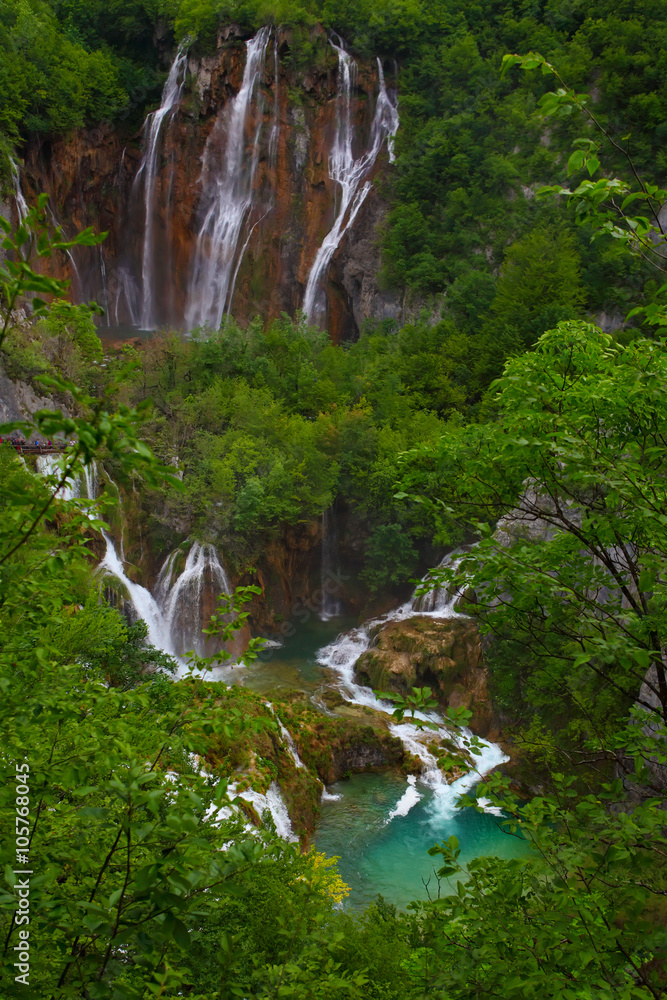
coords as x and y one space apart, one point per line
148 170
350 173
229 169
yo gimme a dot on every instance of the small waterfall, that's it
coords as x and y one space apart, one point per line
288 739
21 203
103 273
148 170
228 181
47 465
144 604
349 173
183 602
271 801
341 656
331 606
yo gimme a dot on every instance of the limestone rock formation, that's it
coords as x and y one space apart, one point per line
443 654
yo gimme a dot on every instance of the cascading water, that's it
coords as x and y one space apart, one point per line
127 293
275 128
47 465
21 203
147 174
341 657
228 176
350 173
143 602
288 739
182 602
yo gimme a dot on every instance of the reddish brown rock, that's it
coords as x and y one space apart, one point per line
90 176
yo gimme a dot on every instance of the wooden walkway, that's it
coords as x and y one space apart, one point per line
24 448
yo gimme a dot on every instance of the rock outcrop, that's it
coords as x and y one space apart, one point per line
443 654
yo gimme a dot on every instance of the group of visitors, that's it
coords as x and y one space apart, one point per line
40 446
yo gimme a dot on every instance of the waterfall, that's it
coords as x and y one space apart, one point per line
48 465
341 656
288 739
182 603
127 291
144 604
105 291
331 607
349 173
21 203
148 170
228 180
270 801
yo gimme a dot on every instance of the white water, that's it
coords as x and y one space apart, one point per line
288 739
290 744
174 616
341 656
350 173
227 178
148 170
275 128
127 291
329 797
21 203
271 801
182 603
409 799
143 602
48 465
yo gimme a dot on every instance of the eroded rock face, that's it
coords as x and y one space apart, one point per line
443 654
91 176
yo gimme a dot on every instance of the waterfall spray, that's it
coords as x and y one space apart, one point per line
148 169
228 179
349 173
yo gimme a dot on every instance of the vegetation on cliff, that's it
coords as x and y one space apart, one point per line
145 877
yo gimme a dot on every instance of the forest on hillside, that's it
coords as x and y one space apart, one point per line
160 818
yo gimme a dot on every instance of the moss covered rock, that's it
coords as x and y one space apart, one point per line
443 654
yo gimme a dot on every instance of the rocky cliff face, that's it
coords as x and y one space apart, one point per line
292 121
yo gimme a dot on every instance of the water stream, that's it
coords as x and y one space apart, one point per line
21 203
147 175
351 173
229 168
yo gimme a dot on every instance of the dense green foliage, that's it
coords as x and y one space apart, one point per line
145 878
